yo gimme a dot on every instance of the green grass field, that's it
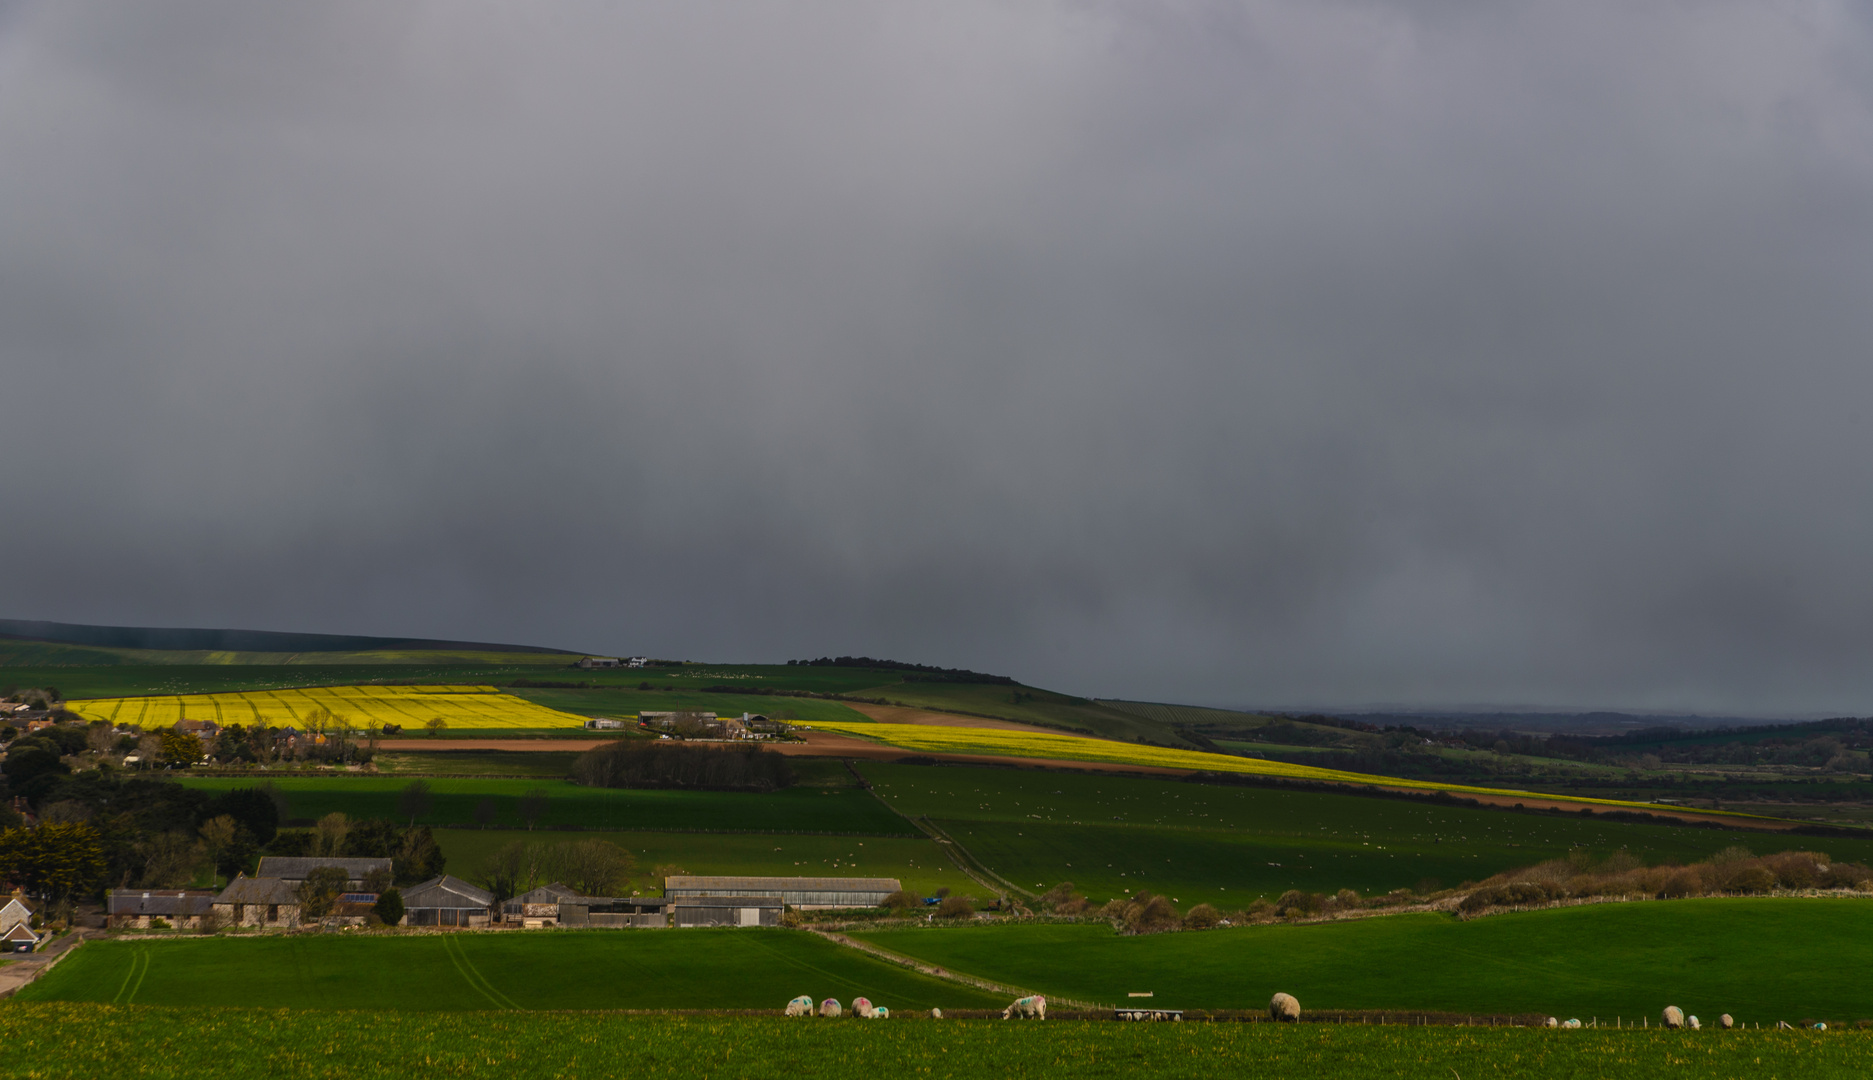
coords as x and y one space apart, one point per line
802 809
918 863
426 761
1227 845
1760 960
600 969
273 1044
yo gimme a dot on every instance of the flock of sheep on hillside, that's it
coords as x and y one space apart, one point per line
1282 1008
1027 1008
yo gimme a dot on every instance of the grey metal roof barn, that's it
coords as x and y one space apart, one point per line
295 868
726 911
815 892
446 901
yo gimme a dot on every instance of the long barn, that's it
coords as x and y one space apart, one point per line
802 892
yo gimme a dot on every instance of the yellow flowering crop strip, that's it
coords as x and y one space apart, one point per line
966 740
469 708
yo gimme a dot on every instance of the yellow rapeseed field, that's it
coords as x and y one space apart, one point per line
936 739
461 707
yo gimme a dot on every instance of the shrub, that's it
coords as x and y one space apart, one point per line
903 900
1202 917
1148 914
956 907
389 907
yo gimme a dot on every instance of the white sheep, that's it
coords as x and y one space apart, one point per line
1284 1008
881 1013
1691 1022
830 1008
862 1008
1571 1022
936 1014
1672 1017
1027 1008
800 1006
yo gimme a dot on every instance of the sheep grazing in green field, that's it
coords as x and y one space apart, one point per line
881 1013
862 1008
1571 1022
830 1008
1692 1023
800 1006
1725 1022
1284 1008
1027 1008
1672 1017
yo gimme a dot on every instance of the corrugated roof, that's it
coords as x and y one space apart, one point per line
446 892
295 868
259 890
786 884
158 902
727 901
548 894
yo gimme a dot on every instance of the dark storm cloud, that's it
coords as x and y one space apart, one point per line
1252 353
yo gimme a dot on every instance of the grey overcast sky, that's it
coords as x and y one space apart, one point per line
1298 352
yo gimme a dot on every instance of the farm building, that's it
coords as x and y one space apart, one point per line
139 909
295 869
556 905
446 901
600 662
806 892
726 911
260 901
605 723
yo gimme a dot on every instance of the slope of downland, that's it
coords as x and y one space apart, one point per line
1047 747
280 1045
1227 845
453 802
1759 959
619 969
1028 705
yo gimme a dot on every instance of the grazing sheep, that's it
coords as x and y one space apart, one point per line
861 1008
1551 1022
1691 1022
830 1008
1820 1027
1672 1017
881 1013
800 1006
936 1014
1284 1008
1571 1022
1027 1008
1725 1022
